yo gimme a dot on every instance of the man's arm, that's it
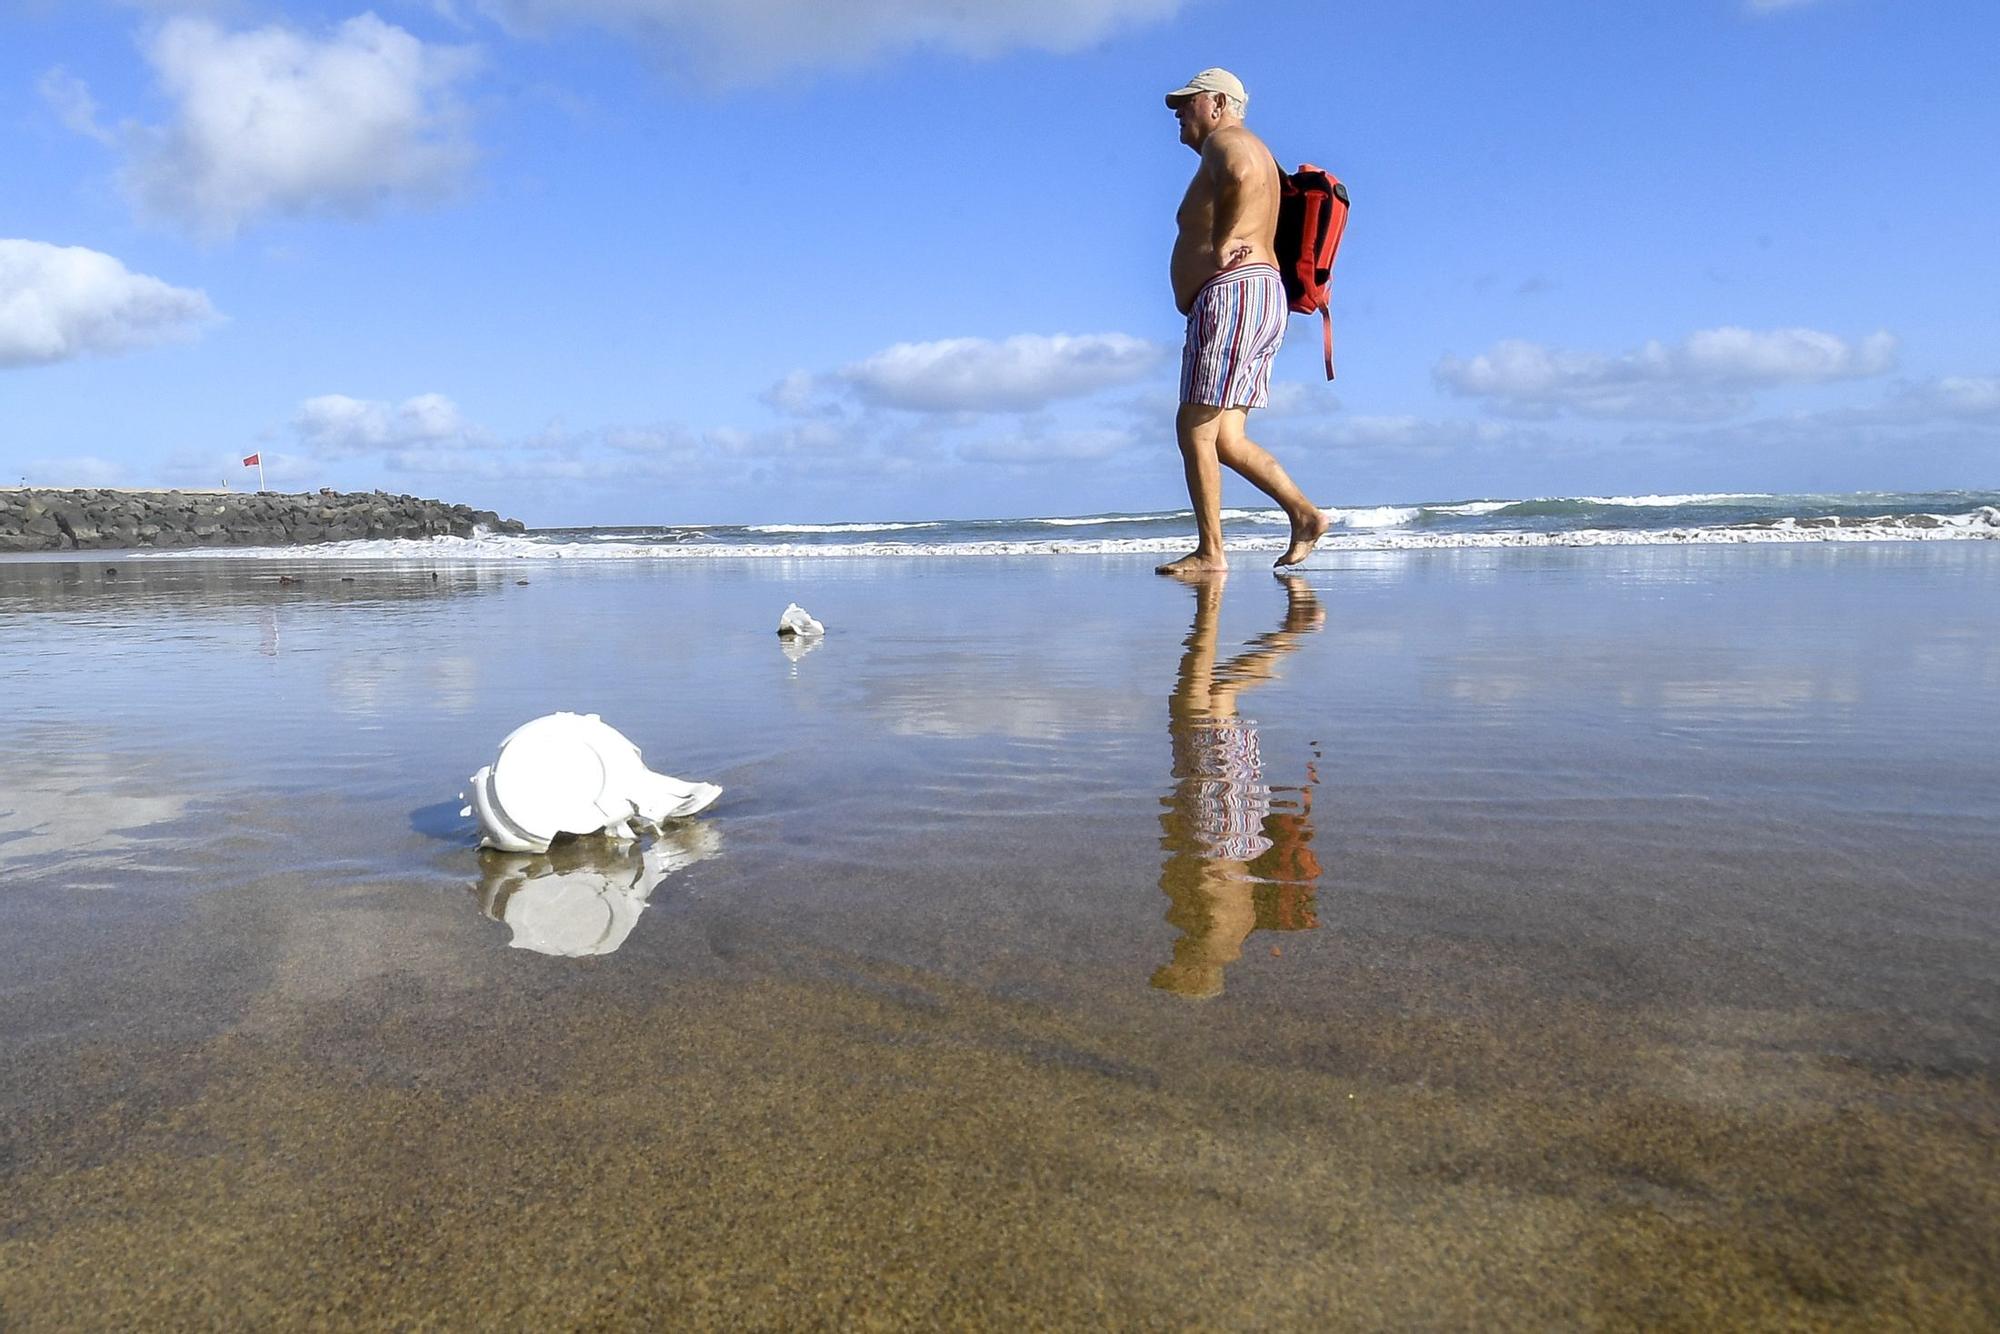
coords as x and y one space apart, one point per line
1231 166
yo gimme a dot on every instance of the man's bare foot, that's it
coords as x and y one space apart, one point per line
1194 564
1306 534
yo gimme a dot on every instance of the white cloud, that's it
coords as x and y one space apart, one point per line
1783 356
653 440
722 41
1291 398
211 465
273 120
1944 425
59 302
1018 374
1707 375
802 394
429 435
1951 396
69 97
336 426
1398 433
719 450
84 470
1043 446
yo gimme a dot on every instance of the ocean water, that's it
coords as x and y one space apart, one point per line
1637 520
1549 938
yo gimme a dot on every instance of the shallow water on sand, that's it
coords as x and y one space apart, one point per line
1496 937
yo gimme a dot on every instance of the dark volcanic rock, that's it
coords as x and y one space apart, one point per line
54 520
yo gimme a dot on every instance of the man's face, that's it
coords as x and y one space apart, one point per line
1193 113
1188 111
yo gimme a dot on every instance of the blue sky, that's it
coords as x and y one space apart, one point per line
655 261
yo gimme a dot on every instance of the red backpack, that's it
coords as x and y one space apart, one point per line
1312 213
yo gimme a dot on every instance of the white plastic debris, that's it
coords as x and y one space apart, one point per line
570 773
795 622
575 902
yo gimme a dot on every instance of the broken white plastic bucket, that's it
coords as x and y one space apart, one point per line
570 773
796 622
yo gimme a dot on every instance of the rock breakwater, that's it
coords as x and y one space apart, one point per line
95 519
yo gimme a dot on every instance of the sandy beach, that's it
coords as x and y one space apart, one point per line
1442 939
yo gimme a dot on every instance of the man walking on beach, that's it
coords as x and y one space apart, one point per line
1226 281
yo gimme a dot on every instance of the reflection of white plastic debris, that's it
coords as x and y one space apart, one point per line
795 622
570 773
797 646
585 898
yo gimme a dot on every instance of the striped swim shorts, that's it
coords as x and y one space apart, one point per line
1233 332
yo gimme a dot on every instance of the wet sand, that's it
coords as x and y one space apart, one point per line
1497 939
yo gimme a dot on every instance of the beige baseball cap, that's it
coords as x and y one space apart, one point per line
1210 81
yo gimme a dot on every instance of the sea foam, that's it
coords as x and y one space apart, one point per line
1978 524
841 527
1666 502
1380 516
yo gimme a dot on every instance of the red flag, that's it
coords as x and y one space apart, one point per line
252 461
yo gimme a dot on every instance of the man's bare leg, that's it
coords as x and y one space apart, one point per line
1196 427
1249 459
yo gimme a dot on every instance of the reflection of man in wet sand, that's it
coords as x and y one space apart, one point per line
1236 859
1226 281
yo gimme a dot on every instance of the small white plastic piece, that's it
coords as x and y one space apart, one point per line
581 904
570 773
794 621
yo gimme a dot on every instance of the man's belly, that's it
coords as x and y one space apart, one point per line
1194 264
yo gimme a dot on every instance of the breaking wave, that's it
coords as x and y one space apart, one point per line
1381 516
1672 502
841 527
1980 522
1092 520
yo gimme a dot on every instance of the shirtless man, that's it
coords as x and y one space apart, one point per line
1226 282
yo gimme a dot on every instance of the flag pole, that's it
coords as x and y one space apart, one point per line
260 471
